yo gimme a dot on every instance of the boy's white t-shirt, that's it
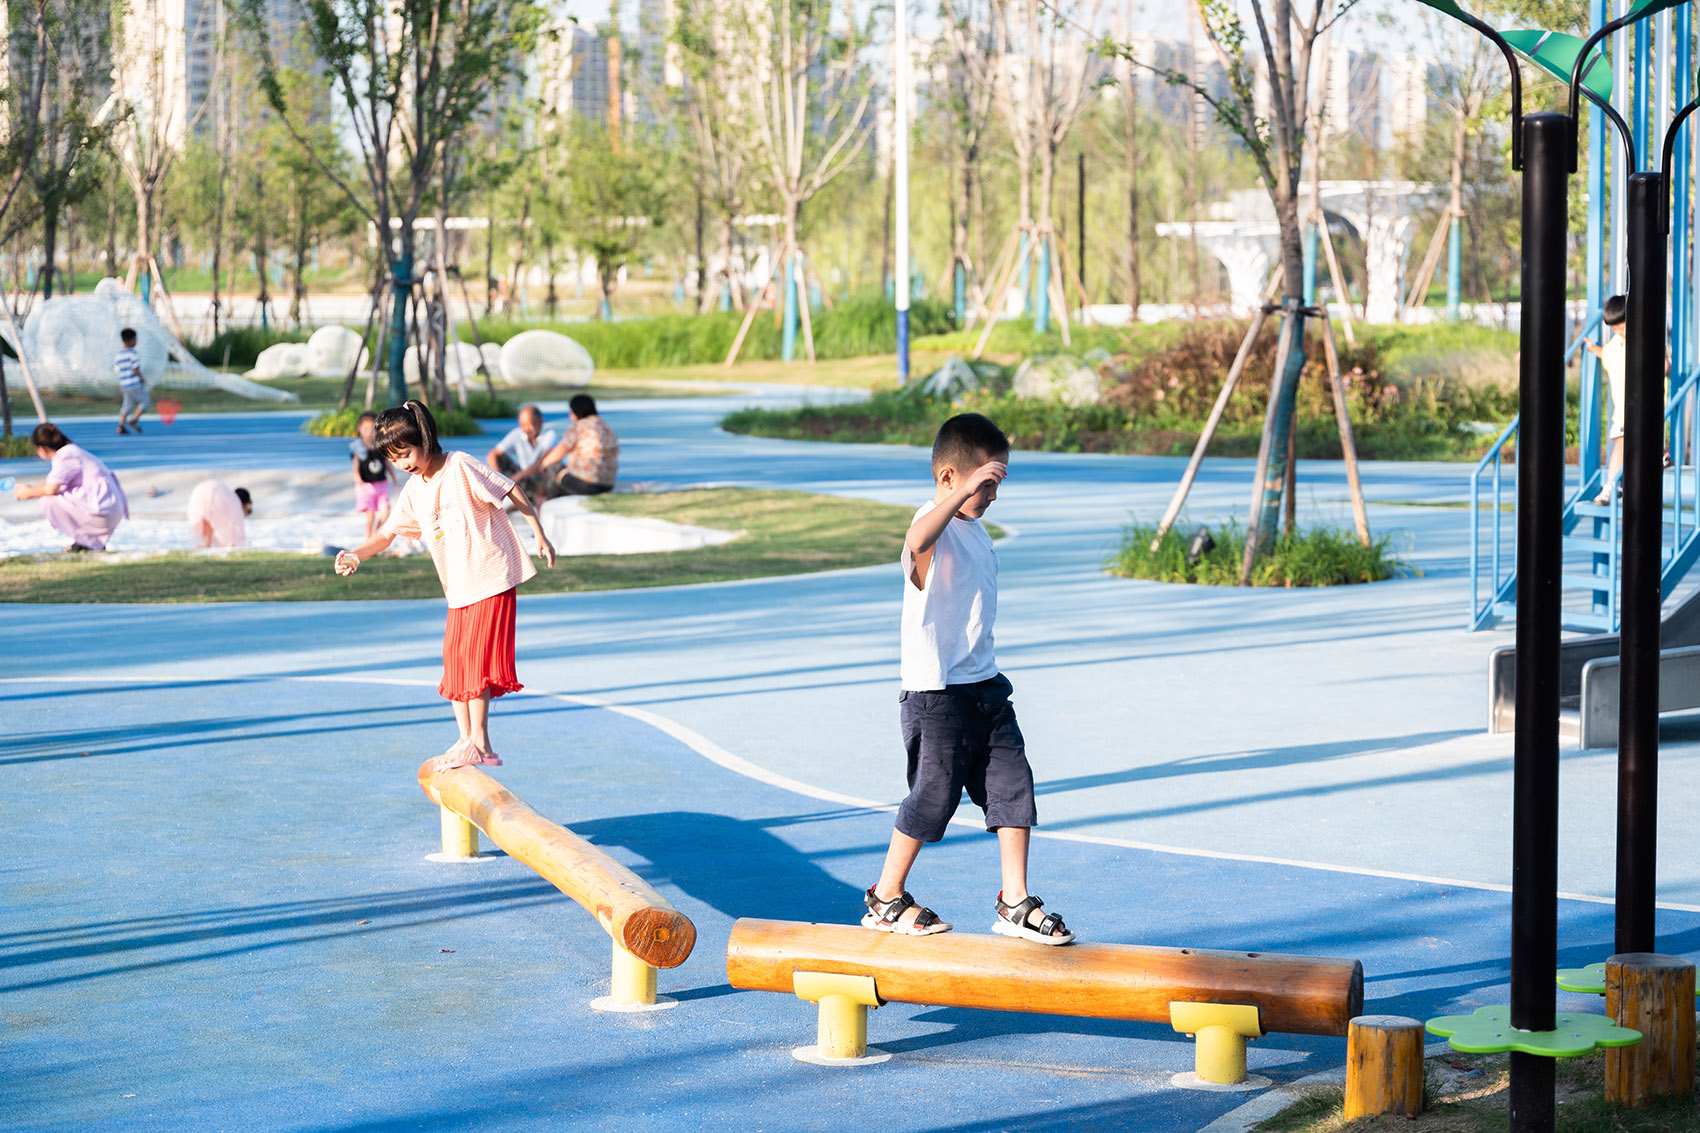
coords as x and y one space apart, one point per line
947 626
1615 364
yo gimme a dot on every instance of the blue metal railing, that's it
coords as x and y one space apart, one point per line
1681 549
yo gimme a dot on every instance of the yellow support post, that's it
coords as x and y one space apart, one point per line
634 981
842 1032
632 987
460 838
1221 1030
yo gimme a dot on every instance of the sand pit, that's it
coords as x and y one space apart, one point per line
304 512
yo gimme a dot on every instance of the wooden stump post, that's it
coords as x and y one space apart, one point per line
1384 1066
1652 994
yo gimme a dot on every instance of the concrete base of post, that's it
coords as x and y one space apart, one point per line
1653 994
1384 1066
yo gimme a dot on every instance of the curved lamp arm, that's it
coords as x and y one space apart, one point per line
1637 11
1450 8
1665 159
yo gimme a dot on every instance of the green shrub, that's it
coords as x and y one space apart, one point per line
451 422
15 446
244 344
1318 556
484 405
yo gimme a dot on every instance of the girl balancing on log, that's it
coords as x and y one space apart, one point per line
454 504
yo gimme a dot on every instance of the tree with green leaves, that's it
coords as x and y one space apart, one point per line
1283 43
58 169
806 88
613 197
413 76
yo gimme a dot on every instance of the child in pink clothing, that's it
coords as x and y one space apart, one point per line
455 504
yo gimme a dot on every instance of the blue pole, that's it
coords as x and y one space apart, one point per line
1599 134
1042 300
402 287
1024 254
788 348
1454 267
960 288
1643 92
902 265
1678 173
1310 265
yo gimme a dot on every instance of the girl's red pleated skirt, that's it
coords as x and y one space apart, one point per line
478 650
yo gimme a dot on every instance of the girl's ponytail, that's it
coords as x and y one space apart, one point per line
427 426
410 426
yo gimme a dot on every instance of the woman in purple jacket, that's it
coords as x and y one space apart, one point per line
81 497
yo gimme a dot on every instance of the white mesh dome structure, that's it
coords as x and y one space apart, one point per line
71 341
536 356
493 362
333 351
461 359
281 360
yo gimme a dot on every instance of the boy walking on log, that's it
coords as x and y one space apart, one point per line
958 724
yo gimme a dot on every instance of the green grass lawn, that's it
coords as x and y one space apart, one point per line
778 533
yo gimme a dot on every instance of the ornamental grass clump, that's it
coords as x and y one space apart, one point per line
1317 556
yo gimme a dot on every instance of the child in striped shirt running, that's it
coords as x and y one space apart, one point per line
128 367
454 504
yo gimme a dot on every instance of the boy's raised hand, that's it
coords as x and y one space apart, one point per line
990 473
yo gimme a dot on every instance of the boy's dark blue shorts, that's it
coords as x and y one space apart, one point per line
964 736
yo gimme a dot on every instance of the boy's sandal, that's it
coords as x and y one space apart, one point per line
886 916
1017 920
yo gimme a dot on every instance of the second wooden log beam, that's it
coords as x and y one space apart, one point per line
1305 995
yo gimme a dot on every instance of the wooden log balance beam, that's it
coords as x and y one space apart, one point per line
648 932
1224 998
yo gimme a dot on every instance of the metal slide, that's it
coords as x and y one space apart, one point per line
1587 675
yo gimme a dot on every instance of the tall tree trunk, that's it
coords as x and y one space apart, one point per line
111 250
551 298
49 242
1131 127
298 299
616 108
702 263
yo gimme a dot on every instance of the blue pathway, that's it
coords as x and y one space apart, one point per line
1244 769
220 916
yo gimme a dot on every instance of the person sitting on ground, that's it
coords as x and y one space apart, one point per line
587 460
958 724
218 515
373 474
128 366
519 455
81 497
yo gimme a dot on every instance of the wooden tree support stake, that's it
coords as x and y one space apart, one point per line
1384 1066
1209 431
1348 446
1652 994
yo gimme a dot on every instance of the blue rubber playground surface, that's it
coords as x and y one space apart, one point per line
217 911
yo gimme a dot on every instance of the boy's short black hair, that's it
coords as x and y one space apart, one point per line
365 417
1616 311
410 426
582 405
242 494
127 335
966 441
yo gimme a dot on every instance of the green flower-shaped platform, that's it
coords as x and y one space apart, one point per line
1488 1030
1590 980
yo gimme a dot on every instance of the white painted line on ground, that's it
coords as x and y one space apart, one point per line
738 765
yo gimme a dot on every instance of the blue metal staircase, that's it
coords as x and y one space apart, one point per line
1593 532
